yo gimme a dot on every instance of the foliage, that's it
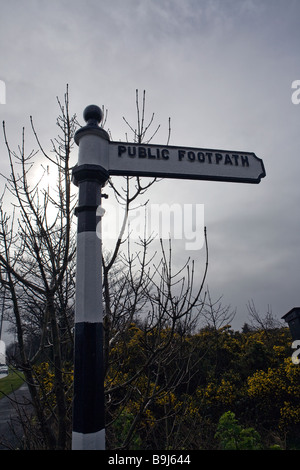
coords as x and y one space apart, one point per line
45 379
276 394
264 399
233 437
223 409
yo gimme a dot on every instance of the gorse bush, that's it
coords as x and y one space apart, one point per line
215 405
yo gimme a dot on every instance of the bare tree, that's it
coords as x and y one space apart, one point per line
140 287
165 307
258 321
216 314
36 259
145 291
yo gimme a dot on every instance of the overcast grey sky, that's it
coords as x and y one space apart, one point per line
222 70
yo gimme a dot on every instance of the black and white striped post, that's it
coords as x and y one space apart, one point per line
88 403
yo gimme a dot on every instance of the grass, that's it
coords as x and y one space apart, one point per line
11 382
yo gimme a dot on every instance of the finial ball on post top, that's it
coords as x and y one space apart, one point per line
92 114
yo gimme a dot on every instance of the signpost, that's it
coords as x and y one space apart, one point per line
98 159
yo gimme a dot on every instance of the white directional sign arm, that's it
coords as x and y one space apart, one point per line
183 162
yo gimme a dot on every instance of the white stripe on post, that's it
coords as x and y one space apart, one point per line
88 441
88 280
